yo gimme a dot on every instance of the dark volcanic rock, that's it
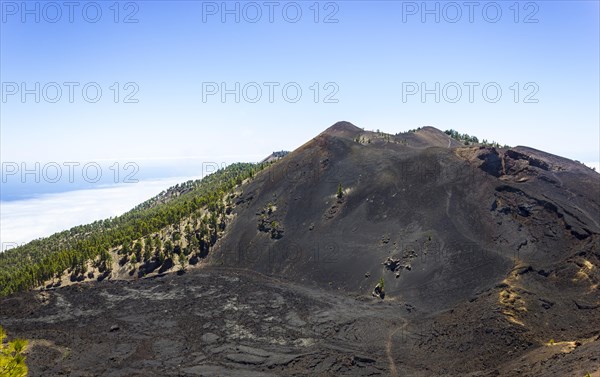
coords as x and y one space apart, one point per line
213 322
488 254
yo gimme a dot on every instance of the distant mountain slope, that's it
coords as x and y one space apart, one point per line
136 242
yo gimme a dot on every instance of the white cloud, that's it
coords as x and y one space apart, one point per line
25 220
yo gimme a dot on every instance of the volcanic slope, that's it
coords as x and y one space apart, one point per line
457 219
489 259
506 238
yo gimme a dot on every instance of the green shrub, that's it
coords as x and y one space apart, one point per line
183 262
12 360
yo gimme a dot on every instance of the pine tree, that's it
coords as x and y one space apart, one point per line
340 191
182 262
12 360
169 249
39 261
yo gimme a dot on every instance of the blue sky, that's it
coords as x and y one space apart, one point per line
362 64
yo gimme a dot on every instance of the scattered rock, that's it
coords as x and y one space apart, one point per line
546 304
544 273
209 338
522 270
378 291
363 359
392 264
243 358
269 225
586 306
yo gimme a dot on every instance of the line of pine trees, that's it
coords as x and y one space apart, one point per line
41 260
467 139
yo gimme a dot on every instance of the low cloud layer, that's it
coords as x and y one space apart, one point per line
25 220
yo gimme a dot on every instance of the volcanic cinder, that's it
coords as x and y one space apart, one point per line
489 259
